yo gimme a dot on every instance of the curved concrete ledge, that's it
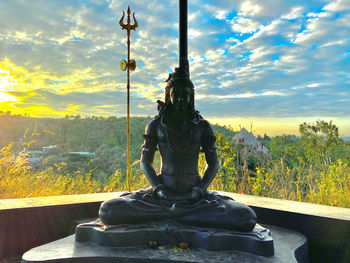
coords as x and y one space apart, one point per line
30 222
251 200
44 201
292 206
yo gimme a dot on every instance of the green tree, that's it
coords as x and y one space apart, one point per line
286 147
226 177
321 143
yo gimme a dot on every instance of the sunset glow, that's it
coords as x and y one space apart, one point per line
273 64
6 97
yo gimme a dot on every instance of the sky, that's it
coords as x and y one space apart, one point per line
265 65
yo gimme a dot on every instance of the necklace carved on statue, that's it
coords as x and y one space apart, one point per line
179 143
179 134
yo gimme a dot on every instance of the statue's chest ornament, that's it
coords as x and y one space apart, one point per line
181 142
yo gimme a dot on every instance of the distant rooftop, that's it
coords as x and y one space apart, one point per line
247 138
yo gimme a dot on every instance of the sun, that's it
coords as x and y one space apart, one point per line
6 97
6 81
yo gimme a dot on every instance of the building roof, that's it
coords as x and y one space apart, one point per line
247 138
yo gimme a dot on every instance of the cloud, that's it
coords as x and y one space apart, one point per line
249 8
244 95
250 58
245 25
338 5
294 13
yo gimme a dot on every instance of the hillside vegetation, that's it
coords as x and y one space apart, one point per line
312 167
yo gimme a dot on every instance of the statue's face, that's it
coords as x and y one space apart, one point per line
180 97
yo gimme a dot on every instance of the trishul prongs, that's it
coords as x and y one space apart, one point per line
128 65
128 26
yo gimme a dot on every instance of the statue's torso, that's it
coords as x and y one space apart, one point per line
180 151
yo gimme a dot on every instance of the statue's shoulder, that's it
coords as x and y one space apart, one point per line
204 123
205 126
207 136
152 126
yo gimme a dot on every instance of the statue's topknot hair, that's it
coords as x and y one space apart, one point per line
179 79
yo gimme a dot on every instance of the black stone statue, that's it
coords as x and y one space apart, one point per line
178 192
177 208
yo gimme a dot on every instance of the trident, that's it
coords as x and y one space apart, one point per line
128 65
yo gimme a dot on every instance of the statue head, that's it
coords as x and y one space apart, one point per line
179 95
179 90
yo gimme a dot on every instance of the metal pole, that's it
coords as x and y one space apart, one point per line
130 64
183 50
128 115
183 45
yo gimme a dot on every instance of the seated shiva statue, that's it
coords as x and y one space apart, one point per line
178 192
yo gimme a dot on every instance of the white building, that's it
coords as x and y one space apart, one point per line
247 138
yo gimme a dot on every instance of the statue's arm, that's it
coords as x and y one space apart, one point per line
149 147
209 149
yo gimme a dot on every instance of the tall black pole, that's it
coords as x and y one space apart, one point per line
183 46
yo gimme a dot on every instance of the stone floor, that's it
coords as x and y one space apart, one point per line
290 246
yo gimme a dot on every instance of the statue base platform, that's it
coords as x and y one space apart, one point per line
130 243
172 233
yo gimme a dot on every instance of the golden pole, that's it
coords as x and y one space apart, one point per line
128 65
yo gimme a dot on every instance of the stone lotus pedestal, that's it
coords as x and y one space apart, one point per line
94 242
172 233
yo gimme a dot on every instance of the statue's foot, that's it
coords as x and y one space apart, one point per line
124 210
229 215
